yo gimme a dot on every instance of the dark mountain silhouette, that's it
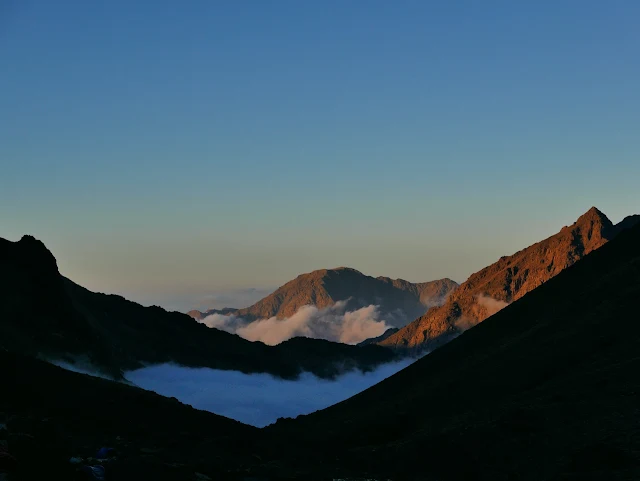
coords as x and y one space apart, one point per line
547 389
52 415
507 280
399 301
44 314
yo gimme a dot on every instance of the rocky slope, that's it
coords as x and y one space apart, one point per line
44 314
49 415
399 301
507 280
546 389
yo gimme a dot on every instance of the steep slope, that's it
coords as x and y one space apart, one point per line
52 415
507 280
546 389
45 314
399 301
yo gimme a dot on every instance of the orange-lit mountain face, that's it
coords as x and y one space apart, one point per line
507 280
545 389
399 301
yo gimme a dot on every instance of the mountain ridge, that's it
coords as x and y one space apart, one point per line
506 280
545 389
399 301
44 314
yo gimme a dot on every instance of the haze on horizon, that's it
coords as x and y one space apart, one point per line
201 156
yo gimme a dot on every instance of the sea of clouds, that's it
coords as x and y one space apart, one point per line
256 399
334 323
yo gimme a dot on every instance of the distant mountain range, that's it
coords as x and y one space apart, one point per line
545 389
399 301
507 280
44 314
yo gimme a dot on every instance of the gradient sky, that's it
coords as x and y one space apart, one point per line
169 151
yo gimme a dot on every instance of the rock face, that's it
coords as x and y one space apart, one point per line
399 301
545 389
44 314
507 280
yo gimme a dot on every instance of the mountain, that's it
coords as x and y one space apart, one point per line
399 301
375 340
44 314
545 389
507 280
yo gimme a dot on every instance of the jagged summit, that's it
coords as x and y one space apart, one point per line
507 280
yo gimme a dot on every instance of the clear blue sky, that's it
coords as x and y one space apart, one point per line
165 150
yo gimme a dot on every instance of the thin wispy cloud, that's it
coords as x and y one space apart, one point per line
490 304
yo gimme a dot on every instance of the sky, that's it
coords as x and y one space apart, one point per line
194 154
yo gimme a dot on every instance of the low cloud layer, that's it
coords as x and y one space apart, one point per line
490 304
256 399
333 323
79 367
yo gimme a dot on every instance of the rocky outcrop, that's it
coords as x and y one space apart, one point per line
507 280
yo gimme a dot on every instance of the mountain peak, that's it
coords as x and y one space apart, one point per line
594 215
346 269
508 279
30 252
398 301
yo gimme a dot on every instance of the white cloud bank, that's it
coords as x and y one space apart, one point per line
256 399
333 323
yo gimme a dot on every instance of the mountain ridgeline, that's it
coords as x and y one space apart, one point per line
507 280
547 389
46 315
399 301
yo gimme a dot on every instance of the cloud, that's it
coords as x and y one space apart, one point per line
333 323
464 323
79 367
257 399
490 304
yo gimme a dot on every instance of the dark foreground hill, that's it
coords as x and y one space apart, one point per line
52 415
44 314
546 389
